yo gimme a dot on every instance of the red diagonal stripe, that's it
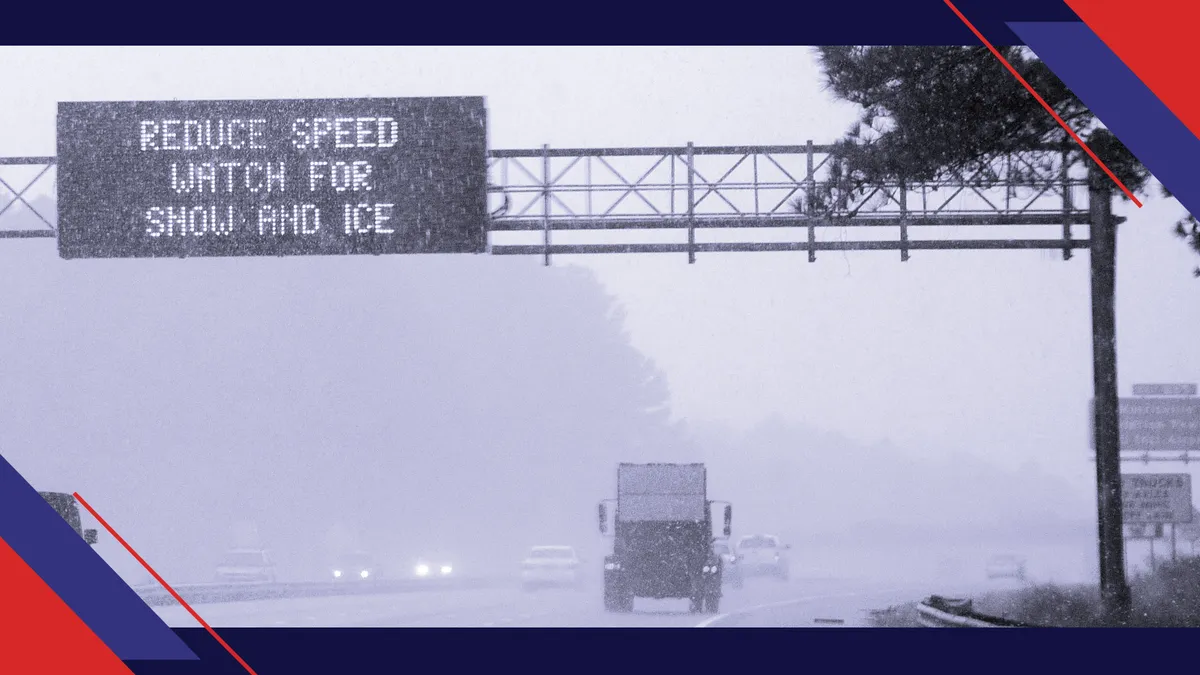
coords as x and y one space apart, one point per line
1045 105
165 585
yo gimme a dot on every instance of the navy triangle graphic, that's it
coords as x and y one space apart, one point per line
78 575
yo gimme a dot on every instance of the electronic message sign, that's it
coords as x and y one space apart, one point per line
148 179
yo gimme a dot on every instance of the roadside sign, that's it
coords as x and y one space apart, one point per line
1164 390
1190 531
1156 498
1157 424
1144 531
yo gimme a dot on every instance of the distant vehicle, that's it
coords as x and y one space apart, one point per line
356 566
551 566
762 555
425 569
68 508
247 565
662 538
1006 567
731 572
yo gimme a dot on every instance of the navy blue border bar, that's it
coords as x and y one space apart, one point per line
666 650
860 22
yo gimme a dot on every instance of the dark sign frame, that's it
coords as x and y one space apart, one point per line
150 179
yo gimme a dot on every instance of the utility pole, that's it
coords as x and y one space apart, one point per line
1114 590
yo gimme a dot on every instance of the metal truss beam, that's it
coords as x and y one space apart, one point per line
18 196
696 191
760 247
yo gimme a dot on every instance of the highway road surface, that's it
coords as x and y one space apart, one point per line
761 603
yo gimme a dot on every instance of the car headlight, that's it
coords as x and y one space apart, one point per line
422 570
337 574
364 574
446 569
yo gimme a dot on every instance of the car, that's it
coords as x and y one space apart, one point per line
1006 566
762 555
731 572
246 565
425 569
551 566
355 566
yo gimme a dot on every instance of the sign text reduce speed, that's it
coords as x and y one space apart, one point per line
1148 498
271 178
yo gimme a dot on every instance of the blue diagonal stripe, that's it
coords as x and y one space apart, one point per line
1122 102
78 575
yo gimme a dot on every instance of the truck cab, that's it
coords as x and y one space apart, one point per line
662 538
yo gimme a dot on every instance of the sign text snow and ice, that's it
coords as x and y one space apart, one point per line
272 177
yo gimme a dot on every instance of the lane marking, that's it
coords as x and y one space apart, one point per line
708 623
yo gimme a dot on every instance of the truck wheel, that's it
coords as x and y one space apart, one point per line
712 603
617 599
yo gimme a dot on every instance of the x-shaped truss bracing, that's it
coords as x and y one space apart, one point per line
19 218
786 195
729 198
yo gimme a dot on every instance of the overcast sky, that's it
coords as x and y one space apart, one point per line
987 354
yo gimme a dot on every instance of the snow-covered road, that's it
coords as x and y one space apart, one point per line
763 602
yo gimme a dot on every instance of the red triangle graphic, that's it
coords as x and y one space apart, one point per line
38 631
1155 41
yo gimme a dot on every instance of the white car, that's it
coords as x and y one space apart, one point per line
762 555
551 566
731 573
247 565
425 569
356 566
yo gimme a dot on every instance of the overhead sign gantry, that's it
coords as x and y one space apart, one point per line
397 176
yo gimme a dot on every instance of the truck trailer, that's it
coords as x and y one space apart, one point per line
663 537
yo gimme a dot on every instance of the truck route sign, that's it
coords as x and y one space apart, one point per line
1156 498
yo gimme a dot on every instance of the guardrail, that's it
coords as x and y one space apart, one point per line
938 612
198 594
